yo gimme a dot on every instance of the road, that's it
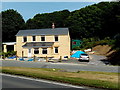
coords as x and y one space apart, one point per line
73 67
12 81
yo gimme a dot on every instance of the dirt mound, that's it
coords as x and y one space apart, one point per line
112 55
102 49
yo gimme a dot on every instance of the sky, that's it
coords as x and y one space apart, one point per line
28 9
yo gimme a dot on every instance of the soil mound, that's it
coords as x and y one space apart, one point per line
113 55
102 49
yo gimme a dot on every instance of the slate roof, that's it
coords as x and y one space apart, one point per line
50 31
38 44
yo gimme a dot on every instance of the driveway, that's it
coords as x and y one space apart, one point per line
94 60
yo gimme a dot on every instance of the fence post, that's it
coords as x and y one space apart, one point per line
60 59
22 54
34 57
46 59
16 55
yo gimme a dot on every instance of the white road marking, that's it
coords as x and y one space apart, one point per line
40 80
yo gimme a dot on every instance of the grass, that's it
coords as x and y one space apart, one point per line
85 78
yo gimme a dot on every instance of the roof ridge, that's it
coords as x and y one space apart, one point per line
34 32
45 29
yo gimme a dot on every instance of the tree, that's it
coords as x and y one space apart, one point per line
111 19
45 20
12 22
85 22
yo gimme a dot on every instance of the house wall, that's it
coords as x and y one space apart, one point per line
19 44
63 45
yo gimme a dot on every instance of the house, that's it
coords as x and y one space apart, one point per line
52 42
76 43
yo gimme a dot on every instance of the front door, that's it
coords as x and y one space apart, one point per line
29 52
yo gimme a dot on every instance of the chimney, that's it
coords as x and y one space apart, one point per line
53 25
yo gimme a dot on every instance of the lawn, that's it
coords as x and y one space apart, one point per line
105 80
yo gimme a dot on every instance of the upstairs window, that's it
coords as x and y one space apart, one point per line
42 38
56 38
56 49
24 39
36 50
34 39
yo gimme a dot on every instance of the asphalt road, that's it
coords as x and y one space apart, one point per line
11 81
73 67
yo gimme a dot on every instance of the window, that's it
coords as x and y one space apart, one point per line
33 38
36 50
56 49
44 51
42 38
65 56
24 39
56 38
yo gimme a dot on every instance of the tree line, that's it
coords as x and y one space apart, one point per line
95 21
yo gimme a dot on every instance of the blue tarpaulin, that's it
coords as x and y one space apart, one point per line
12 57
21 59
77 54
31 59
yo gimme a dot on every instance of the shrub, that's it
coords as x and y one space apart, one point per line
8 54
92 42
76 48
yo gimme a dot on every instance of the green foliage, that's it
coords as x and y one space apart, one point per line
85 22
12 22
91 42
99 20
45 20
8 54
115 58
76 48
117 41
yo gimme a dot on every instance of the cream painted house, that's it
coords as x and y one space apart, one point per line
54 42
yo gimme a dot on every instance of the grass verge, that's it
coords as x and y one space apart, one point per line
83 78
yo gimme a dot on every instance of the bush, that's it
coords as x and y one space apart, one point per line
8 54
92 42
76 48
